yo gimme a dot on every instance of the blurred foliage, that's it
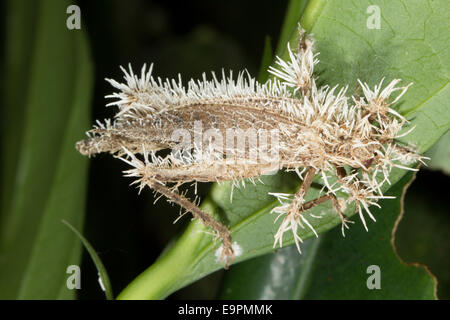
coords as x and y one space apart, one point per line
103 277
45 105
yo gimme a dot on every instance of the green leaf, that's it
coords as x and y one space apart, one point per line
103 274
48 181
345 263
280 275
17 67
422 234
439 155
411 45
333 267
294 12
402 48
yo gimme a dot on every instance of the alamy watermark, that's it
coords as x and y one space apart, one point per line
74 280
73 21
374 280
374 19
233 145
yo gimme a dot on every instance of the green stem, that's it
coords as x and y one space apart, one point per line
157 281
294 12
312 12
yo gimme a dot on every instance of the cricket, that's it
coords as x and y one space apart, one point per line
236 129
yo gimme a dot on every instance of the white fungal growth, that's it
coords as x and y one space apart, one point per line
237 250
349 142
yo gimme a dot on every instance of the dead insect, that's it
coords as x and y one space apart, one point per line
231 130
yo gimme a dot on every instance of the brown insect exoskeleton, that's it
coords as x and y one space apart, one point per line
231 130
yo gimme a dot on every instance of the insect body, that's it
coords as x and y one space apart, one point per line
230 130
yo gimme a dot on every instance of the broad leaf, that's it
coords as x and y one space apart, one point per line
422 234
439 155
280 275
333 267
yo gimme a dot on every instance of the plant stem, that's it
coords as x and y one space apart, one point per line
157 281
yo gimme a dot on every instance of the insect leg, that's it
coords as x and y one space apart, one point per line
341 173
293 217
306 58
334 201
299 197
222 231
298 205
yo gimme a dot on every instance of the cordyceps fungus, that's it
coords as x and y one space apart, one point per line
236 129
